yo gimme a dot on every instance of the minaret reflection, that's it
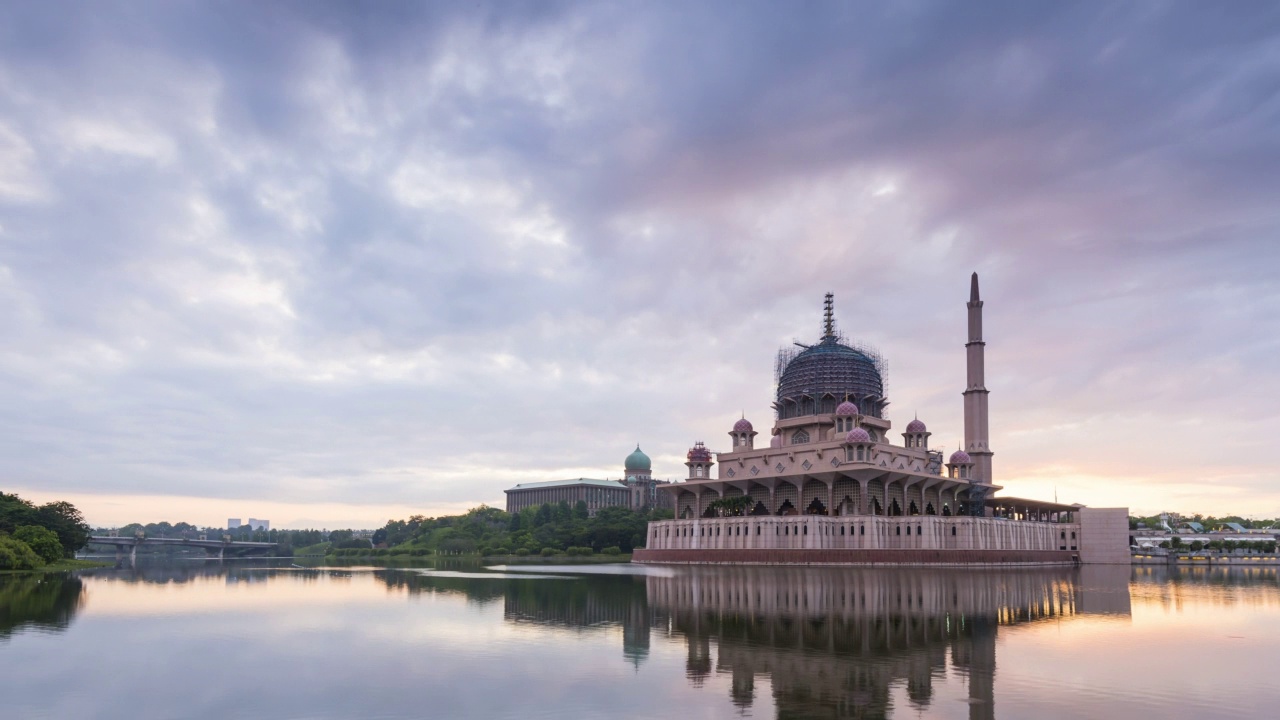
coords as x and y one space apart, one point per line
833 641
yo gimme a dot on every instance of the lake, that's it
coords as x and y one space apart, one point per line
267 639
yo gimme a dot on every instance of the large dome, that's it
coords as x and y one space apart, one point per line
638 461
826 373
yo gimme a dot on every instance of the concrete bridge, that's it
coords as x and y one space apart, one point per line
211 547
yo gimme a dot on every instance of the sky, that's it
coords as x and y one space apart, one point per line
330 264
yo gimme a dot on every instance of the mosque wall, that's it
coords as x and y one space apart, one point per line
863 532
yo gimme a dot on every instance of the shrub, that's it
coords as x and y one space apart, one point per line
522 552
579 551
612 550
42 540
1165 544
548 552
1196 546
17 555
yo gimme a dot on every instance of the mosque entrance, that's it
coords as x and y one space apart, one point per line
816 508
759 509
786 508
894 508
875 507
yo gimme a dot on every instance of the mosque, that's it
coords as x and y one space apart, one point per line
831 488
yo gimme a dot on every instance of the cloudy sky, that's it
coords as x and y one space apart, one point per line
330 264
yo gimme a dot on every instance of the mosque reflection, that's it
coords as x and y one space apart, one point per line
834 642
831 643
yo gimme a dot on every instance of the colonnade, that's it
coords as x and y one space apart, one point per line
870 532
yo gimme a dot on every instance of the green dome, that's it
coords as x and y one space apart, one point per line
638 461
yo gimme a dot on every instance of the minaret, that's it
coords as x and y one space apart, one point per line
976 434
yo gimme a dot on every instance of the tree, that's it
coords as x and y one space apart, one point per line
17 555
66 522
580 510
42 540
543 516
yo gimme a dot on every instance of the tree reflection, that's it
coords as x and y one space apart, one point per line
45 602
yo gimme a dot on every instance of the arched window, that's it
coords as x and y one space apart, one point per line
860 453
848 454
800 437
697 472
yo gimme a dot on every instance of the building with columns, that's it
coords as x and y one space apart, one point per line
638 490
831 486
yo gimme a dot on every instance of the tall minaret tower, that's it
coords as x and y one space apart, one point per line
976 436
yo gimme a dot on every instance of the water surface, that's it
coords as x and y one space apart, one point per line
267 639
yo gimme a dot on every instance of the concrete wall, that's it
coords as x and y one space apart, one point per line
1104 535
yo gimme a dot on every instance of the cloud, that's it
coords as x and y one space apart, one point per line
408 256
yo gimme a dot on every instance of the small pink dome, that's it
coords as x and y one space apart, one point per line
743 425
960 457
857 435
847 408
776 441
915 426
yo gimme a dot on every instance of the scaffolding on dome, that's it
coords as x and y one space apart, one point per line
821 377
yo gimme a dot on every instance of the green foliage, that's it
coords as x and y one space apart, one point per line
17 555
548 529
548 552
580 511
731 506
42 540
612 550
62 518
1196 546
1165 544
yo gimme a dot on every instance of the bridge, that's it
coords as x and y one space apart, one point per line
211 547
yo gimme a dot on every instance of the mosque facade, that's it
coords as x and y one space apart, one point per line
831 487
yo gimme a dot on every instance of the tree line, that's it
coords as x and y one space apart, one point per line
32 536
558 528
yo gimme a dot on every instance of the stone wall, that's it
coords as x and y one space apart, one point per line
1104 535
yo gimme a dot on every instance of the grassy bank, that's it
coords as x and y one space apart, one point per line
384 556
61 566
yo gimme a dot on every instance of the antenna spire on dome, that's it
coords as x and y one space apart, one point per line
828 318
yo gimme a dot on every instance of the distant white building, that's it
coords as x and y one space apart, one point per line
233 523
257 524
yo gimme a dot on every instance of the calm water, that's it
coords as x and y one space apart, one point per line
201 640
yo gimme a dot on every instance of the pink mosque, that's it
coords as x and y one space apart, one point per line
831 487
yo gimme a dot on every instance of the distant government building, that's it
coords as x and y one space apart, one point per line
831 488
637 491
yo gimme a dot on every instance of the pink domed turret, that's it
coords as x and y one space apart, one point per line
960 457
699 453
775 441
915 426
743 425
846 409
857 435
